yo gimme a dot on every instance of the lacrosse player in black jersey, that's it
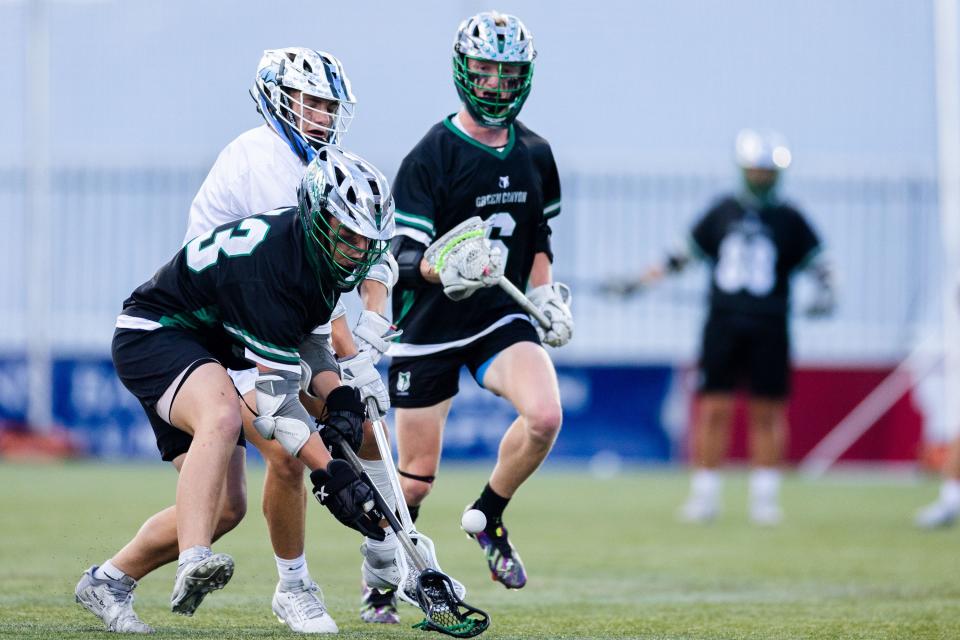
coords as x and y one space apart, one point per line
754 242
479 162
245 294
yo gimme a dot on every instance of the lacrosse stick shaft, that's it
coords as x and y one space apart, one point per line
386 454
525 303
382 505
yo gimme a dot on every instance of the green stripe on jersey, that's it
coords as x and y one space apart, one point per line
552 208
417 222
206 317
263 348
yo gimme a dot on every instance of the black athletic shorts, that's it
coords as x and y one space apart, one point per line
423 381
746 348
147 363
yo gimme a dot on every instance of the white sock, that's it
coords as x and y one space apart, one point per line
950 492
293 571
765 484
705 484
108 571
193 553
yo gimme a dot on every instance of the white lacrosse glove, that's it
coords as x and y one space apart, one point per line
554 301
358 372
465 259
373 334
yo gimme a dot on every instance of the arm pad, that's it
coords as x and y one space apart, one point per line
315 352
408 253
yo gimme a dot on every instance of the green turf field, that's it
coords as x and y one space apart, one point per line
606 560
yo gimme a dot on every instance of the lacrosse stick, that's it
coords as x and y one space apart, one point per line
408 575
525 303
445 612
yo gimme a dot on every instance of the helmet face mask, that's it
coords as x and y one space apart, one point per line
305 97
346 209
493 58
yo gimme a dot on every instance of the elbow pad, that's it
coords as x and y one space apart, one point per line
281 416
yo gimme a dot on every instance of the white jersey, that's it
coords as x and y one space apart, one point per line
256 172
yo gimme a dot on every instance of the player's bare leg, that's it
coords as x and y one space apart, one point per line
944 511
206 407
767 418
107 590
419 441
711 438
155 544
523 374
297 599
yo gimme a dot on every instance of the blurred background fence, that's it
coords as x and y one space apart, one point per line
623 377
114 227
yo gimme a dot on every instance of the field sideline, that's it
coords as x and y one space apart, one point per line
606 559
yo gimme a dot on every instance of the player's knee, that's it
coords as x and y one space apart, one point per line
284 468
415 491
222 422
543 422
233 512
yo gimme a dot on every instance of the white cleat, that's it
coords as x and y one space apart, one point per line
937 515
699 510
766 514
111 601
198 578
300 606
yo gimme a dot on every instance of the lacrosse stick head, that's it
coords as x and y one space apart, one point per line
409 574
445 612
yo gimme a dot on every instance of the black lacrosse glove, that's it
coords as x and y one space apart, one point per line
343 420
348 498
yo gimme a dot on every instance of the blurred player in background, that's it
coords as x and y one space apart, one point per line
754 242
246 293
944 510
306 101
478 162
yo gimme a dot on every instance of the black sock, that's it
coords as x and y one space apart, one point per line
414 511
492 506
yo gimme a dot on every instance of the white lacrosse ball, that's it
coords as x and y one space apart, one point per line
473 521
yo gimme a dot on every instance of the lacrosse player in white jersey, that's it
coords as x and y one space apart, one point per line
306 100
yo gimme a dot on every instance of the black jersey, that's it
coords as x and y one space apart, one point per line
449 177
251 288
753 251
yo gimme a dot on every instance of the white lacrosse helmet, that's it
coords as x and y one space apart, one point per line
499 38
311 73
343 186
762 150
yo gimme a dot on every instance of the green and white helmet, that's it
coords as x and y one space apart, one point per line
500 39
341 197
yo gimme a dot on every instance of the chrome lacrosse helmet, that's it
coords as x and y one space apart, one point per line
492 96
346 208
287 85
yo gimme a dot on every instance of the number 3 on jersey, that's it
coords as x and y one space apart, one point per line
204 250
746 262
